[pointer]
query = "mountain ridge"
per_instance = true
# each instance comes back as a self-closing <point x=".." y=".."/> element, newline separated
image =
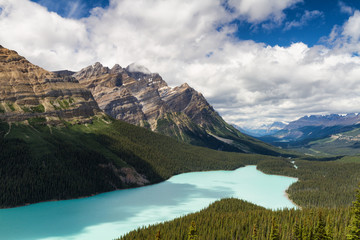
<point x="137" y="96"/>
<point x="333" y="134"/>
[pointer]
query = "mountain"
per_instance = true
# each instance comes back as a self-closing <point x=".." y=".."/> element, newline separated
<point x="310" y="126"/>
<point x="55" y="143"/>
<point x="142" y="98"/>
<point x="28" y="91"/>
<point x="333" y="134"/>
<point x="263" y="130"/>
<point x="325" y="120"/>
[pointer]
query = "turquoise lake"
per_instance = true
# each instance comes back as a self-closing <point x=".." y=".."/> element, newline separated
<point x="110" y="215"/>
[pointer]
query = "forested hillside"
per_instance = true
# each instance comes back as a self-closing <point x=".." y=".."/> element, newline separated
<point x="237" y="219"/>
<point x="321" y="183"/>
<point x="40" y="162"/>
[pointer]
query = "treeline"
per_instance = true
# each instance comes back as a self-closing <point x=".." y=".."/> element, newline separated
<point x="237" y="219"/>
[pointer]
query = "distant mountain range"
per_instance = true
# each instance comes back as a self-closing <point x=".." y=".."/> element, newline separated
<point x="262" y="130"/>
<point x="334" y="134"/>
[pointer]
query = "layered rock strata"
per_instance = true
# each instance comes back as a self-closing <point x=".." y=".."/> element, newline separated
<point x="28" y="91"/>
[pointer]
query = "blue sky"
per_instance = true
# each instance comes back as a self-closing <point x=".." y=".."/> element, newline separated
<point x="309" y="30"/>
<point x="256" y="61"/>
<point x="72" y="8"/>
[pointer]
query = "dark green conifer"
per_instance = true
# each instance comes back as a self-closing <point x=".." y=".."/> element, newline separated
<point x="297" y="233"/>
<point x="274" y="235"/>
<point x="354" y="228"/>
<point x="193" y="232"/>
<point x="254" y="235"/>
<point x="320" y="232"/>
<point x="158" y="235"/>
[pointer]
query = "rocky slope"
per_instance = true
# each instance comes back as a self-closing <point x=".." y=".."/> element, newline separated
<point x="28" y="91"/>
<point x="139" y="97"/>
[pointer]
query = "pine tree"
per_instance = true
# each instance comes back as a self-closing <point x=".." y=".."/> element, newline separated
<point x="254" y="235"/>
<point x="192" y="231"/>
<point x="320" y="232"/>
<point x="158" y="235"/>
<point x="329" y="228"/>
<point x="297" y="233"/>
<point x="354" y="228"/>
<point x="274" y="235"/>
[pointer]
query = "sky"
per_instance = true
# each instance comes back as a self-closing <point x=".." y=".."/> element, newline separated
<point x="255" y="61"/>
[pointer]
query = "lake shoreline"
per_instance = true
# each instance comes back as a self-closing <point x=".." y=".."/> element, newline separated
<point x="99" y="193"/>
<point x="287" y="196"/>
<point x="285" y="193"/>
<point x="116" y="213"/>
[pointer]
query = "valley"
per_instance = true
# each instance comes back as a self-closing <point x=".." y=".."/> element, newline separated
<point x="72" y="135"/>
<point x="327" y="135"/>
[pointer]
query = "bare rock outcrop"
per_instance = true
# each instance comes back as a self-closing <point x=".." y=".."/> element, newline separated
<point x="137" y="96"/>
<point x="28" y="91"/>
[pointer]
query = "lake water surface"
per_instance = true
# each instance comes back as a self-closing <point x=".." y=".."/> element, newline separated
<point x="109" y="215"/>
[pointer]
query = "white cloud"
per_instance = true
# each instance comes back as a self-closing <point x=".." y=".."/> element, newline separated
<point x="351" y="28"/>
<point x="43" y="37"/>
<point x="345" y="8"/>
<point x="256" y="11"/>
<point x="248" y="83"/>
<point x="304" y="20"/>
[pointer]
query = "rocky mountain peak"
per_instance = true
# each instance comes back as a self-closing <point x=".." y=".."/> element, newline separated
<point x="28" y="91"/>
<point x="185" y="85"/>
<point x="97" y="69"/>
<point x="139" y="97"/>
<point x="144" y="97"/>
<point x="116" y="69"/>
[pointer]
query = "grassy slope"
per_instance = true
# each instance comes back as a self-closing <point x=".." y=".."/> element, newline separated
<point x="40" y="163"/>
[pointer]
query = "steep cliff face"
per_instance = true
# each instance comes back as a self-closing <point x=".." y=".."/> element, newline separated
<point x="137" y="96"/>
<point x="28" y="91"/>
<point x="120" y="95"/>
